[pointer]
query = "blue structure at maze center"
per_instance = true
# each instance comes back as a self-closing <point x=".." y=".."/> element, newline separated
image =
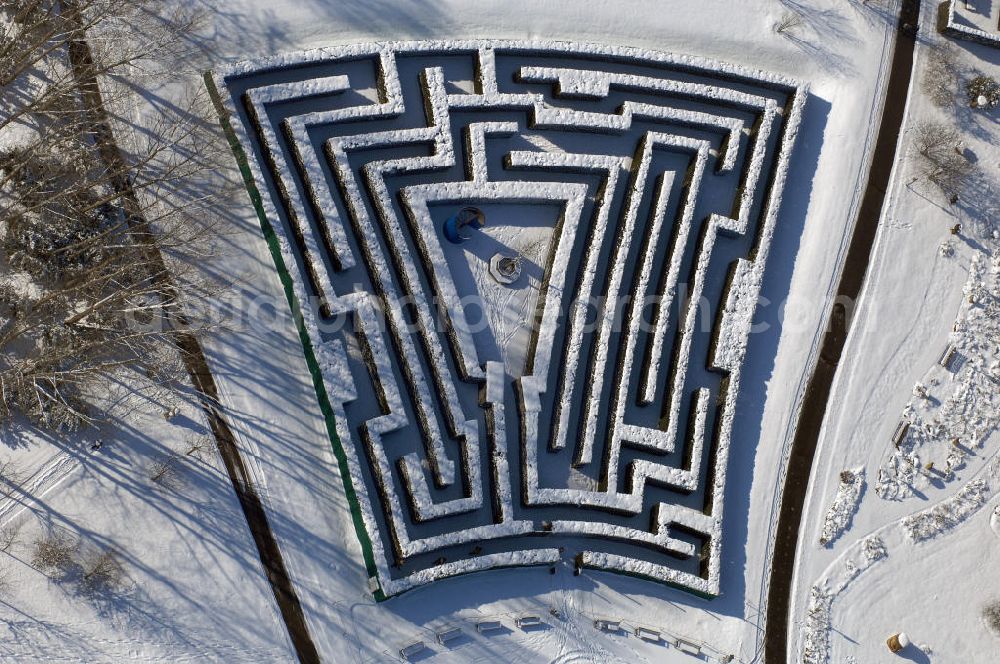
<point x="466" y="217"/>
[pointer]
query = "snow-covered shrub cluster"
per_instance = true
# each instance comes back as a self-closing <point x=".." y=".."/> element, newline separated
<point x="983" y="91"/>
<point x="364" y="243"/>
<point x="816" y="640"/>
<point x="94" y="572"/>
<point x="949" y="513"/>
<point x="956" y="407"/>
<point x="815" y="645"/>
<point x="845" y="504"/>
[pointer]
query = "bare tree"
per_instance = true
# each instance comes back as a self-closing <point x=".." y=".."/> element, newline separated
<point x="100" y="266"/>
<point x="92" y="294"/>
<point x="37" y="28"/>
<point x="8" y="538"/>
<point x="789" y="22"/>
<point x="10" y="479"/>
<point x="940" y="158"/>
<point x="198" y="447"/>
<point x="128" y="36"/>
<point x="165" y="472"/>
<point x="941" y="74"/>
<point x="101" y="572"/>
<point x="931" y="139"/>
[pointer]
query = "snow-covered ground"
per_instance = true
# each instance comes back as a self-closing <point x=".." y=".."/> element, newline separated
<point x="192" y="588"/>
<point x="921" y="302"/>
<point x="147" y="494"/>
<point x="841" y="50"/>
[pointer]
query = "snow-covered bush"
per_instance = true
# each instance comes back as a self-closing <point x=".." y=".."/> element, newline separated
<point x="92" y="571"/>
<point x="845" y="504"/>
<point x="101" y="572"/>
<point x="991" y="614"/>
<point x="816" y="638"/>
<point x="940" y="75"/>
<point x="947" y="514"/>
<point x="54" y="554"/>
<point x="983" y="92"/>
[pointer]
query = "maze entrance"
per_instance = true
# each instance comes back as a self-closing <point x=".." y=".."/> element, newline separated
<point x="582" y="410"/>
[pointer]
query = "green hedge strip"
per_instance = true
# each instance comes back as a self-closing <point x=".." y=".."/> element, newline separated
<point x="317" y="377"/>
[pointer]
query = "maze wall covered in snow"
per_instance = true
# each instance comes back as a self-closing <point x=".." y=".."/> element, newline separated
<point x="584" y="410"/>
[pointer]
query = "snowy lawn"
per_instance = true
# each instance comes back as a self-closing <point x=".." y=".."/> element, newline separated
<point x="839" y="49"/>
<point x="928" y="293"/>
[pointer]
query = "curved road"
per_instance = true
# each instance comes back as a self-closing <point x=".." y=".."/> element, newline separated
<point x="818" y="393"/>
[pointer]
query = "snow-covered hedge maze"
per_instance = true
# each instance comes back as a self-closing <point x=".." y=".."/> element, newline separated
<point x="583" y="412"/>
<point x="954" y="22"/>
